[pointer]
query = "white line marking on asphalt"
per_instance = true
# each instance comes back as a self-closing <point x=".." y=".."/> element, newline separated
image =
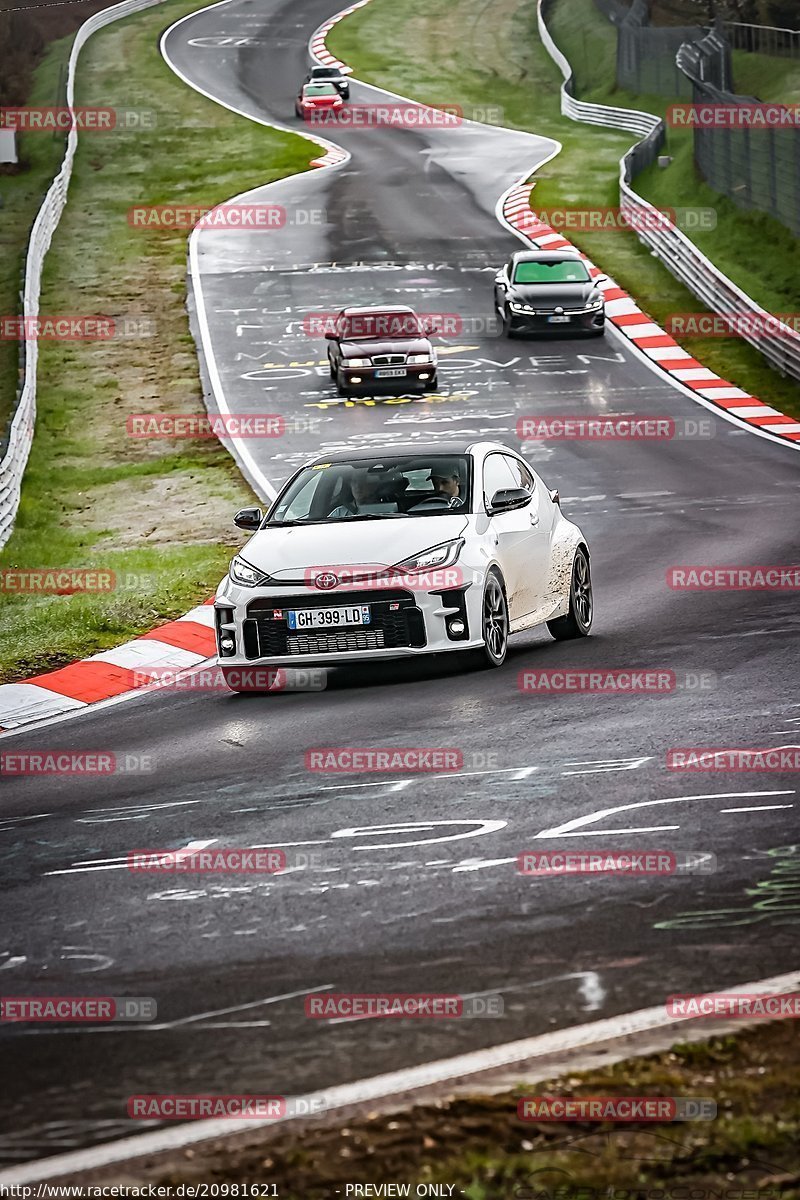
<point x="398" y="1083"/>
<point x="578" y="822"/>
<point x="756" y="808"/>
<point x="122" y="863"/>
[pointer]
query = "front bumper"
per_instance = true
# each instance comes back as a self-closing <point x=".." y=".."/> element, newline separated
<point x="367" y="379"/>
<point x="403" y="624"/>
<point x="576" y="322"/>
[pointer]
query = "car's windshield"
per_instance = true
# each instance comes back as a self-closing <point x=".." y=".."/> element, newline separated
<point x="563" y="270"/>
<point x="325" y="73"/>
<point x="355" y="327"/>
<point x="390" y="487"/>
<point x="320" y="89"/>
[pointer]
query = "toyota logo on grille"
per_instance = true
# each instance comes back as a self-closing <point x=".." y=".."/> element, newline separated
<point x="326" y="581"/>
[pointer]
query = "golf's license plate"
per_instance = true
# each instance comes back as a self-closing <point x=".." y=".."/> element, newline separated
<point x="328" y="618"/>
<point x="390" y="372"/>
<point x="553" y="320"/>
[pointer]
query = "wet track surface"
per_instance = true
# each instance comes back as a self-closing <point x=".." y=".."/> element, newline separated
<point x="411" y="888"/>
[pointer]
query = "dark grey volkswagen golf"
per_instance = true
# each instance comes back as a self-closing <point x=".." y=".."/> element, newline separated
<point x="549" y="291"/>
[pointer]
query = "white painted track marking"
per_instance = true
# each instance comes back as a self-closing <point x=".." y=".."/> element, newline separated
<point x="398" y="1083"/>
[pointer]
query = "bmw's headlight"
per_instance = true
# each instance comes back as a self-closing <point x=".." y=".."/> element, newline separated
<point x="358" y="362"/>
<point x="443" y="555"/>
<point x="242" y="573"/>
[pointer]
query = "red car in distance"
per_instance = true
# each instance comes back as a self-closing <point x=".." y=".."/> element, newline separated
<point x="317" y="98"/>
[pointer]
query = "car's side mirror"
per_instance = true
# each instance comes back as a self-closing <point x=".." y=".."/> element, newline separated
<point x="507" y="498"/>
<point x="500" y="277"/>
<point x="330" y="334"/>
<point x="555" y="497"/>
<point x="600" y="279"/>
<point x="248" y="518"/>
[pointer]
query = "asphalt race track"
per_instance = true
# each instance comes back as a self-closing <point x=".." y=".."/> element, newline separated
<point x="412" y="884"/>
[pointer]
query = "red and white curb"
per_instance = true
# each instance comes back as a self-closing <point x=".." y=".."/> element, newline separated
<point x="177" y="645"/>
<point x="319" y="49"/>
<point x="659" y="347"/>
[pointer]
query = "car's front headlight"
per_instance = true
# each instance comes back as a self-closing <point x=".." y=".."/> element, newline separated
<point x="518" y="306"/>
<point x="418" y="360"/>
<point x="242" y="573"/>
<point x="443" y="555"/>
<point x="358" y="362"/>
<point x="593" y="305"/>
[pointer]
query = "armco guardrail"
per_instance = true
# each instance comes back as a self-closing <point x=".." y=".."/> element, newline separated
<point x="20" y="432"/>
<point x="779" y="343"/>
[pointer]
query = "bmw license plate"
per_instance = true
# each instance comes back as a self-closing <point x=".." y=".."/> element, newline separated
<point x="390" y="372"/>
<point x="554" y="320"/>
<point x="328" y="618"/>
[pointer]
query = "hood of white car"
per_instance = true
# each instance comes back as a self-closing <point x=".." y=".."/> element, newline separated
<point x="287" y="554"/>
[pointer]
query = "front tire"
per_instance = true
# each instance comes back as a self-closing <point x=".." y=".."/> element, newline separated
<point x="494" y="622"/>
<point x="341" y="386"/>
<point x="578" y="620"/>
<point x="508" y="326"/>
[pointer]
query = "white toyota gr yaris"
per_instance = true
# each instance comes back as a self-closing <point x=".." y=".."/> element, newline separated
<point x="402" y="551"/>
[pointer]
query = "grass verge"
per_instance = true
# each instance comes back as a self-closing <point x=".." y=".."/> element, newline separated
<point x="442" y="53"/>
<point x="481" y="1149"/>
<point x="156" y="513"/>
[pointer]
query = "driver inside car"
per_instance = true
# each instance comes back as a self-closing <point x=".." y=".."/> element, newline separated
<point x="446" y="480"/>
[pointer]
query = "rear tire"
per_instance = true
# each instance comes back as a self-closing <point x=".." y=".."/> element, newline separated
<point x="578" y="620"/>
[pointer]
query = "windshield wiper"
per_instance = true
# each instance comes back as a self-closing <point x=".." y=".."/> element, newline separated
<point x="368" y="517"/>
<point x="283" y="524"/>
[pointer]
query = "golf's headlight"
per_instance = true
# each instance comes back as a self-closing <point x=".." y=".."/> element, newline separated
<point x="357" y="362"/>
<point x="443" y="555"/>
<point x="593" y="305"/>
<point x="417" y="360"/>
<point x="242" y="573"/>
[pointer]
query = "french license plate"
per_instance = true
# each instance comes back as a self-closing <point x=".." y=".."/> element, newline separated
<point x="556" y="320"/>
<point x="328" y="618"/>
<point x="390" y="372"/>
